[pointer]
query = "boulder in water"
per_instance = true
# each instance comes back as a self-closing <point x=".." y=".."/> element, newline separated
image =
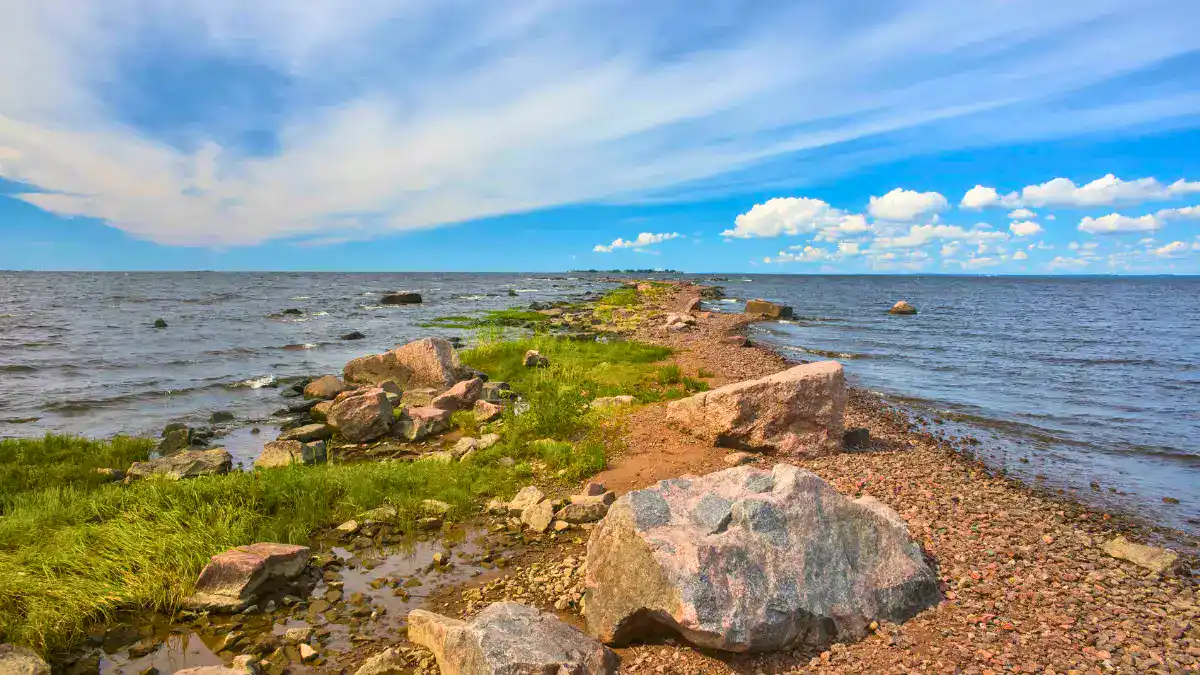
<point x="159" y="323"/>
<point x="401" y="298"/>
<point x="354" y="335"/>
<point x="232" y="580"/>
<point x="747" y="560"/>
<point x="902" y="307"/>
<point x="181" y="465"/>
<point x="799" y="411"/>
<point x="509" y="638"/>
<point x="769" y="310"/>
<point x="429" y="362"/>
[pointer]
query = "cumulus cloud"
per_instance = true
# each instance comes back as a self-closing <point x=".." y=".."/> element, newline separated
<point x="982" y="197"/>
<point x="641" y="241"/>
<point x="1104" y="191"/>
<point x="433" y="113"/>
<point x="793" y="216"/>
<point x="1184" y="213"/>
<point x="1067" y="263"/>
<point x="1026" y="228"/>
<point x="920" y="235"/>
<point x="1115" y="223"/>
<point x="1171" y="250"/>
<point x="1021" y="214"/>
<point x="906" y="205"/>
<point x="1020" y="255"/>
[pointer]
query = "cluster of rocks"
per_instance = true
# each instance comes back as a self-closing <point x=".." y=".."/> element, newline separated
<point x="532" y="509"/>
<point x="679" y="322"/>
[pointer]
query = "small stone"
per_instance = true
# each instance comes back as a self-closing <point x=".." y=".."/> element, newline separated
<point x="534" y="359"/>
<point x="307" y="653"/>
<point x="739" y="458"/>
<point x="561" y="526"/>
<point x="159" y="323"/>
<point x="593" y="489"/>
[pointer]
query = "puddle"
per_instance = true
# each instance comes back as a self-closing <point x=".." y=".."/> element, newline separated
<point x="357" y="598"/>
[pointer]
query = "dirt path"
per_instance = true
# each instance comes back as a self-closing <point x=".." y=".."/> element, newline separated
<point x="1026" y="587"/>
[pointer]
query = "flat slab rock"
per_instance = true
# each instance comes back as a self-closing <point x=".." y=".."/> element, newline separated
<point x="508" y="638"/>
<point x="231" y="580"/>
<point x="799" y="411"/>
<point x="748" y="560"/>
<point x="186" y="464"/>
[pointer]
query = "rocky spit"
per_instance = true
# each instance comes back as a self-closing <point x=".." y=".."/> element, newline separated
<point x="779" y="522"/>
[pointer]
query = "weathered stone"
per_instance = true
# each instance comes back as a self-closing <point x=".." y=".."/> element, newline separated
<point x="325" y="387"/>
<point x="583" y="512"/>
<point x="748" y="560"/>
<point x="538" y="516"/>
<point x="417" y="424"/>
<point x="221" y="417"/>
<point x="528" y="496"/>
<point x="354" y="335"/>
<point x="464" y="445"/>
<point x="1153" y="558"/>
<point x="857" y="438"/>
<point x="691" y="305"/>
<point x="593" y="489"/>
<point x="486" y="411"/>
<point x="418" y="398"/>
<point x="488" y="440"/>
<point x="231" y="580"/>
<point x="401" y="298"/>
<point x="363" y="417"/>
<point x="459" y="397"/>
<point x="298" y="635"/>
<point x="109" y="474"/>
<point x="388" y="662"/>
<point x="186" y="464"/>
<point x="534" y="359"/>
<point x="286" y="453"/>
<point x="508" y="638"/>
<point x="160" y="323"/>
<point x="739" y="458"/>
<point x="799" y="411"/>
<point x="686" y="319"/>
<point x="174" y="440"/>
<point x="320" y="411"/>
<point x="770" y="310"/>
<point x="496" y="392"/>
<point x="244" y="664"/>
<point x="606" y="498"/>
<point x="18" y="660"/>
<point x="613" y="401"/>
<point x="902" y="307"/>
<point x="307" y="433"/>
<point x="429" y="362"/>
<point x="735" y="340"/>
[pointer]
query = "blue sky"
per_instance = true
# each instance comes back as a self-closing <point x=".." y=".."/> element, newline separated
<point x="996" y="137"/>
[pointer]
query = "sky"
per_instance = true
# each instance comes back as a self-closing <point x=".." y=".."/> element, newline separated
<point x="862" y="136"/>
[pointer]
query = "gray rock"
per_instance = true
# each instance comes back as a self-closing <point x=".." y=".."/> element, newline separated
<point x="583" y="511"/>
<point x="17" y="660"/>
<point x="748" y="560"/>
<point x="231" y="581"/>
<point x="186" y="464"/>
<point x="613" y="401"/>
<point x="307" y="433"/>
<point x="401" y="298"/>
<point x="768" y="309"/>
<point x="857" y="438"/>
<point x="174" y="439"/>
<point x="285" y="453"/>
<point x="538" y="516"/>
<point x="508" y="638"/>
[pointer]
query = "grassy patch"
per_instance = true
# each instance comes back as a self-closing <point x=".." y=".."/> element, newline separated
<point x="81" y="552"/>
<point x="620" y="297"/>
<point x="62" y="461"/>
<point x="505" y="318"/>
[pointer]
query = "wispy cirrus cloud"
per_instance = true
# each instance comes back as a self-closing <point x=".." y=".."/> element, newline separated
<point x="219" y="123"/>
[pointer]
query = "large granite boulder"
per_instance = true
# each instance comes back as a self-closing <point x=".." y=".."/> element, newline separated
<point x="748" y="560"/>
<point x="18" y="660"/>
<point x="800" y="411"/>
<point x="508" y="638"/>
<point x="232" y="580"/>
<point x="769" y="310"/>
<point x="186" y="464"/>
<point x="286" y="453"/>
<point x="902" y="307"/>
<point x="461" y="396"/>
<point x="325" y="387"/>
<point x="421" y="422"/>
<point x="429" y="362"/>
<point x="363" y="417"/>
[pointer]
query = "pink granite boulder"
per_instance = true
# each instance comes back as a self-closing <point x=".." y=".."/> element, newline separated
<point x="800" y="411"/>
<point x="459" y="397"/>
<point x="486" y="411"/>
<point x="429" y="362"/>
<point x="232" y="580"/>
<point x="324" y="387"/>
<point x="747" y="560"/>
<point x="417" y="424"/>
<point x="363" y="417"/>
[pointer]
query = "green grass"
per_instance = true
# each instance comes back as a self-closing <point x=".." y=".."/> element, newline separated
<point x="62" y="461"/>
<point x="620" y="297"/>
<point x="80" y="552"/>
<point x="507" y="318"/>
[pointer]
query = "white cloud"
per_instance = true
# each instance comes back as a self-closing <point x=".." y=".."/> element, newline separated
<point x="1067" y="263"/>
<point x="1171" y="250"/>
<point x="644" y="239"/>
<point x="431" y="113"/>
<point x="848" y="248"/>
<point x="793" y="216"/>
<point x="950" y="248"/>
<point x="981" y="197"/>
<point x="1026" y="228"/>
<point x="919" y="235"/>
<point x="1115" y="223"/>
<point x="906" y="205"/>
<point x="1183" y="213"/>
<point x="975" y="263"/>
<point x="1021" y="214"/>
<point x="1020" y="255"/>
<point x="805" y="254"/>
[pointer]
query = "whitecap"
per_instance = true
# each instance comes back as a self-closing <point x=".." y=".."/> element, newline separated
<point x="320" y="313"/>
<point x="301" y="297"/>
<point x="731" y="300"/>
<point x="257" y="382"/>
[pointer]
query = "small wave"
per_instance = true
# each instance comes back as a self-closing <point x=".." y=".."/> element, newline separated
<point x="19" y="420"/>
<point x="17" y="369"/>
<point x="301" y="297"/>
<point x="827" y="353"/>
<point x="368" y="293"/>
<point x="729" y="300"/>
<point x="320" y="313"/>
<point x="299" y="347"/>
<point x="232" y="351"/>
<point x="256" y="382"/>
<point x="470" y="297"/>
<point x="372" y="307"/>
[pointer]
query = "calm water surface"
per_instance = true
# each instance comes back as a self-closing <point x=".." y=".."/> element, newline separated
<point x="1086" y="379"/>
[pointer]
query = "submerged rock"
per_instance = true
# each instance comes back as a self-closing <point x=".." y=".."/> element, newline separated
<point x="429" y="362"/>
<point x="186" y="464"/>
<point x="232" y="580"/>
<point x="364" y="416"/>
<point x="902" y="307"/>
<point x="508" y="638"/>
<point x="770" y="310"/>
<point x="799" y="411"/>
<point x="18" y="660"/>
<point x="159" y="323"/>
<point x="748" y="560"/>
<point x="354" y="335"/>
<point x="401" y="298"/>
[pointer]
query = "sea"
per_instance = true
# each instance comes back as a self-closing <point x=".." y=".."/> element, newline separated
<point x="1088" y="385"/>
